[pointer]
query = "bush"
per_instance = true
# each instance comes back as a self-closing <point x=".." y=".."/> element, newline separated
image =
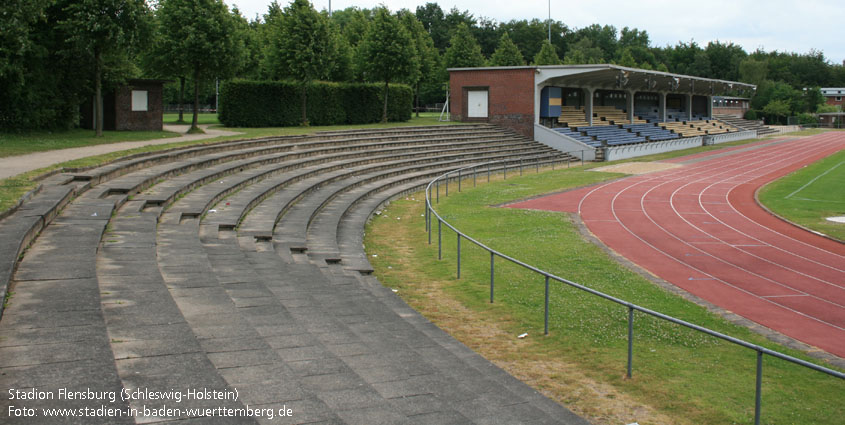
<point x="278" y="103"/>
<point x="807" y="119"/>
<point x="751" y="115"/>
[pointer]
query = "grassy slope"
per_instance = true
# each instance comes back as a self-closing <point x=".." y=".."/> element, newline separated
<point x="678" y="374"/>
<point x="825" y="197"/>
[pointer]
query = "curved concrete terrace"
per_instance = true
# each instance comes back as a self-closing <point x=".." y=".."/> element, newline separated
<point x="232" y="277"/>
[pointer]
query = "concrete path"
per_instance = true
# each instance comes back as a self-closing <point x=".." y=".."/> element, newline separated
<point x="14" y="165"/>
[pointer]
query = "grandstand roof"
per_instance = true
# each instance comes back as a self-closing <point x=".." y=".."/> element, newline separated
<point x="617" y="77"/>
<point x="833" y="91"/>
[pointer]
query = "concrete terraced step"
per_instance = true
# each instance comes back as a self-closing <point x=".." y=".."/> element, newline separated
<point x="134" y="285"/>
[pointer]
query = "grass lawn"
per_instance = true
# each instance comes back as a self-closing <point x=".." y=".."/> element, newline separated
<point x="679" y="377"/>
<point x="202" y="118"/>
<point x="39" y="141"/>
<point x="810" y="195"/>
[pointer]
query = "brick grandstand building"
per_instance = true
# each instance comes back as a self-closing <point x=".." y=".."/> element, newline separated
<point x="833" y="96"/>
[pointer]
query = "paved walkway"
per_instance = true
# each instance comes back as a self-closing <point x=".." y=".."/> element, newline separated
<point x="14" y="165"/>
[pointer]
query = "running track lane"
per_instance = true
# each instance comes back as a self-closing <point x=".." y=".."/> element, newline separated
<point x="700" y="228"/>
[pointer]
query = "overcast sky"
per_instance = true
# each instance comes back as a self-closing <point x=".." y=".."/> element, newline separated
<point x="792" y="26"/>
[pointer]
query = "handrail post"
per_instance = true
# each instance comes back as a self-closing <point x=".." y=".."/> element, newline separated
<point x="758" y="398"/>
<point x="429" y="223"/>
<point x="546" y="327"/>
<point x="491" y="276"/>
<point x="459" y="180"/>
<point x="520" y="166"/>
<point x="447" y="185"/>
<point x="505" y="168"/>
<point x="630" y="339"/>
<point x="459" y="255"/>
<point x="439" y="244"/>
<point x="474" y="174"/>
<point x="582" y="158"/>
<point x="438" y="190"/>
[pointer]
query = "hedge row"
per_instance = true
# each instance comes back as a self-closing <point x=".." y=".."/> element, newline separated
<point x="278" y="103"/>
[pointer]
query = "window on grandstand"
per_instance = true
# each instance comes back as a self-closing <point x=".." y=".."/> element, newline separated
<point x="838" y="98"/>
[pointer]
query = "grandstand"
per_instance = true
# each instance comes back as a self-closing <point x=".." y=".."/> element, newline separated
<point x="591" y="107"/>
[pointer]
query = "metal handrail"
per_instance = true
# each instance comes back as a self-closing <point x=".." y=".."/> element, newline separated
<point x="430" y="211"/>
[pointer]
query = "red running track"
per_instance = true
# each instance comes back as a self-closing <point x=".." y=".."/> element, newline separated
<point x="700" y="228"/>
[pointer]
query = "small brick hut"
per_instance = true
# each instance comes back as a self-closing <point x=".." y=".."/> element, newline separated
<point x="136" y="106"/>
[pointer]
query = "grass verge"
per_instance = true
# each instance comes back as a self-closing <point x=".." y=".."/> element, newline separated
<point x="679" y="376"/>
<point x="810" y="195"/>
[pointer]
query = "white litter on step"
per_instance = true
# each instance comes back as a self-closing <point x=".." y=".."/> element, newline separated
<point x="394" y="290"/>
<point x="523" y="336"/>
<point x="212" y="211"/>
<point x="94" y="215"/>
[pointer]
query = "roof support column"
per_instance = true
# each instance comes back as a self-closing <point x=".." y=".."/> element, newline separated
<point x="588" y="105"/>
<point x="661" y="107"/>
<point x="689" y="107"/>
<point x="630" y="105"/>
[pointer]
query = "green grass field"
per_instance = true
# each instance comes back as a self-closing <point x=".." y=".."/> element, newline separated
<point x="682" y="376"/>
<point x="810" y="195"/>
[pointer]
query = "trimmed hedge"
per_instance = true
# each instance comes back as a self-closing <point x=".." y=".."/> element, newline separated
<point x="278" y="103"/>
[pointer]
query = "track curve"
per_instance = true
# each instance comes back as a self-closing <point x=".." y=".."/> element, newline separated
<point x="700" y="228"/>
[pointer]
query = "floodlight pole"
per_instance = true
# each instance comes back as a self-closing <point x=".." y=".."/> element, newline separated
<point x="330" y="8"/>
<point x="550" y="21"/>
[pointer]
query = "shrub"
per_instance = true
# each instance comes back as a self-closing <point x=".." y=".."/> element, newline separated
<point x="278" y="103"/>
<point x="751" y="115"/>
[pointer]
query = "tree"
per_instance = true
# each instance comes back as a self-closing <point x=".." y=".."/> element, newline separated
<point x="434" y="22"/>
<point x="304" y="46"/>
<point x="426" y="54"/>
<point x="203" y="34"/>
<point x="547" y="55"/>
<point x="777" y="108"/>
<point x="507" y="54"/>
<point x="104" y="30"/>
<point x="389" y="52"/>
<point x="753" y="71"/>
<point x="463" y="51"/>
<point x="583" y="52"/>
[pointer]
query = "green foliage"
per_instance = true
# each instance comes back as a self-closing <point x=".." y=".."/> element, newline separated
<point x="751" y="115"/>
<point x="807" y="119"/>
<point x="777" y="108"/>
<point x="463" y="51"/>
<point x="583" y="52"/>
<point x="389" y="53"/>
<point x="547" y="55"/>
<point x="201" y="38"/>
<point x="507" y="54"/>
<point x="274" y="103"/>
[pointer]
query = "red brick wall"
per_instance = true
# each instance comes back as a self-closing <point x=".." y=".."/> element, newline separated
<point x="510" y="96"/>
<point x="831" y="100"/>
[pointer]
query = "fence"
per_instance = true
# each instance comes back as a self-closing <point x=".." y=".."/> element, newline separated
<point x="502" y="166"/>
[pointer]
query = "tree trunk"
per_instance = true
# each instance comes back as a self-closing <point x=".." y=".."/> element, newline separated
<point x="194" y="126"/>
<point x="418" y="99"/>
<point x="384" y="112"/>
<point x="181" y="99"/>
<point x="304" y="104"/>
<point x="98" y="93"/>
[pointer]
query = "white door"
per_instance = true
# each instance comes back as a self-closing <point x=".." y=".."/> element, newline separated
<point x="477" y="104"/>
